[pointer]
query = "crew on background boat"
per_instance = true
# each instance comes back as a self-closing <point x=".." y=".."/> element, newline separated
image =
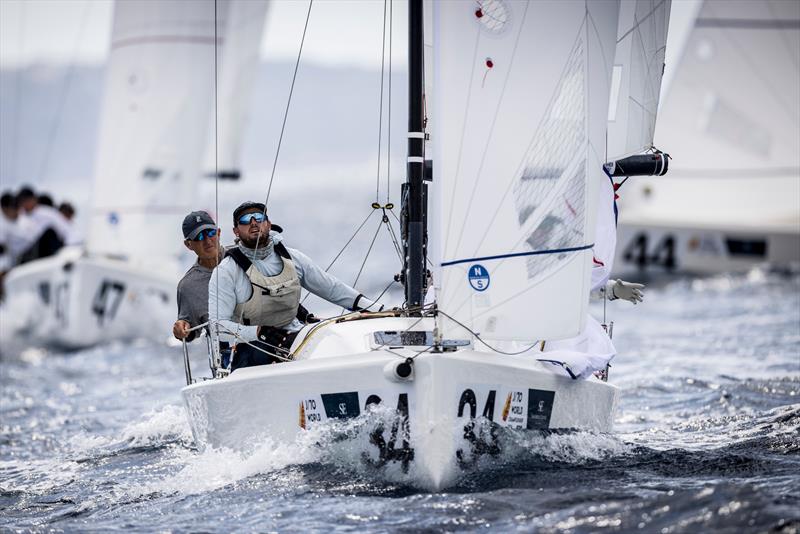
<point x="48" y="228"/>
<point x="201" y="236"/>
<point x="13" y="239"/>
<point x="254" y="293"/>
<point x="67" y="210"/>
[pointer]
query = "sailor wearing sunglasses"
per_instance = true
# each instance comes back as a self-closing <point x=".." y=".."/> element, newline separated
<point x="254" y="293"/>
<point x="201" y="236"/>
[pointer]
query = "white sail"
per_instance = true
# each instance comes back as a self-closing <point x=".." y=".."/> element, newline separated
<point x="522" y="91"/>
<point x="238" y="66"/>
<point x="636" y="78"/>
<point x="731" y="121"/>
<point x="156" y="111"/>
<point x="734" y="102"/>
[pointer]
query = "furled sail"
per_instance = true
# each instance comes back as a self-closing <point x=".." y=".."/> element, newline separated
<point x="636" y="77"/>
<point x="238" y="65"/>
<point x="157" y="105"/>
<point x="522" y="92"/>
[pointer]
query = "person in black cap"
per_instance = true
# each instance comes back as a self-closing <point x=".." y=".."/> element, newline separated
<point x="254" y="293"/>
<point x="201" y="236"/>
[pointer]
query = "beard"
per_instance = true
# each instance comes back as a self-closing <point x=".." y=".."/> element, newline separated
<point x="262" y="239"/>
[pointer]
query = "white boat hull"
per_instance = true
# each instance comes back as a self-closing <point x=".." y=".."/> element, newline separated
<point x="703" y="249"/>
<point x="74" y="301"/>
<point x="281" y="402"/>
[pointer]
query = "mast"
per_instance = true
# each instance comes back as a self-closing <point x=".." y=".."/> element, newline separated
<point x="414" y="199"/>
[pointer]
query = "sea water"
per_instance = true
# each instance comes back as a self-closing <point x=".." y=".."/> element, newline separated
<point x="707" y="438"/>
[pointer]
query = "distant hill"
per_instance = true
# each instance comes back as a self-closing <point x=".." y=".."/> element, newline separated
<point x="49" y="120"/>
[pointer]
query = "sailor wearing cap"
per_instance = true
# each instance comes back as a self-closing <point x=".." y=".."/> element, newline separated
<point x="254" y="293"/>
<point x="201" y="236"/>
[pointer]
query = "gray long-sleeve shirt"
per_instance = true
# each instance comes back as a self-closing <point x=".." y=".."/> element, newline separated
<point x="230" y="286"/>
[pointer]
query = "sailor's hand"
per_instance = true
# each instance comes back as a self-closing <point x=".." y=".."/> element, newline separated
<point x="181" y="329"/>
<point x="619" y="289"/>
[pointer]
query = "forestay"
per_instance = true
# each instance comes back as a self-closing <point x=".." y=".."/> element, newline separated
<point x="160" y="79"/>
<point x="522" y="92"/>
<point x="636" y="77"/>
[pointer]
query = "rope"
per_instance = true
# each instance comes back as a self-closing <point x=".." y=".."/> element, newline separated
<point x="389" y="121"/>
<point x="465" y="327"/>
<point x="286" y="111"/>
<point x="380" y="106"/>
<point x="216" y="143"/>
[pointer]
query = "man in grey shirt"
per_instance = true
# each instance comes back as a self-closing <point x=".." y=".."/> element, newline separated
<point x="201" y="236"/>
<point x="254" y="293"/>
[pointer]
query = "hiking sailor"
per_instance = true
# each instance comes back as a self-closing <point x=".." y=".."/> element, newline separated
<point x="201" y="236"/>
<point x="254" y="293"/>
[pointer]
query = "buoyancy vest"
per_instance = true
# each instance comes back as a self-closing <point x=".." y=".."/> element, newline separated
<point x="275" y="300"/>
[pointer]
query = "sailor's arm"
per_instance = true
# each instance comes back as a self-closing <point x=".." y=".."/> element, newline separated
<point x="326" y="286"/>
<point x="226" y="282"/>
<point x="181" y="328"/>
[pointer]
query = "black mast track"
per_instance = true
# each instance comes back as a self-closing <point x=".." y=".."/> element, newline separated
<point x="414" y="208"/>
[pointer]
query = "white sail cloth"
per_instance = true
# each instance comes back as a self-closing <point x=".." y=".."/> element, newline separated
<point x="636" y="78"/>
<point x="582" y="355"/>
<point x="156" y="111"/>
<point x="522" y="92"/>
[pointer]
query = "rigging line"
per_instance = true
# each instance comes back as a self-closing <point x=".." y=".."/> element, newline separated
<point x="478" y="337"/>
<point x="62" y="97"/>
<point x="494" y="123"/>
<point x="380" y="106"/>
<point x="395" y="241"/>
<point x="637" y="23"/>
<point x="283" y="124"/>
<point x="371" y="211"/>
<point x="389" y="112"/>
<point x="216" y="146"/>
<point x="532" y="141"/>
<point x="369" y="251"/>
<point x="288" y="105"/>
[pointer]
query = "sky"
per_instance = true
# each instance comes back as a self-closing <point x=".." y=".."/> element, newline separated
<point x="79" y="31"/>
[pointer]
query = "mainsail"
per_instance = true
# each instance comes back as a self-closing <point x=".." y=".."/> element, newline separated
<point x="636" y="78"/>
<point x="156" y="110"/>
<point x="522" y="92"/>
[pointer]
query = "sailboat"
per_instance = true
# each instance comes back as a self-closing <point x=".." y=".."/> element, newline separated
<point x="159" y="99"/>
<point x="520" y="110"/>
<point x="731" y="120"/>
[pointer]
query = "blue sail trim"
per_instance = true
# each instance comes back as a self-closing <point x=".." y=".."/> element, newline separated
<point x="518" y="255"/>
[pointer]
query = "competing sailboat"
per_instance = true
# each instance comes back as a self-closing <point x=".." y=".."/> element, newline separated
<point x="520" y="108"/>
<point x="731" y="119"/>
<point x="159" y="99"/>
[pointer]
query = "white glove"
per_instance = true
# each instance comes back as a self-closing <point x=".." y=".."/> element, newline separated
<point x="618" y="289"/>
